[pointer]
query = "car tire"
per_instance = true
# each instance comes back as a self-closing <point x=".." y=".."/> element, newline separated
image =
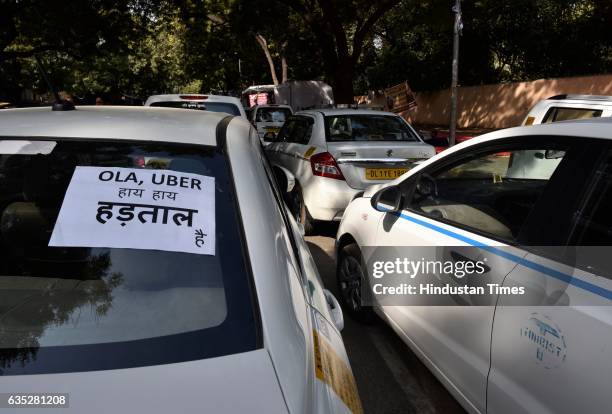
<point x="302" y="214"/>
<point x="351" y="275"/>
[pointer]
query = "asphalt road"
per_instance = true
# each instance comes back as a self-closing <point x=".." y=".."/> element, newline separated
<point x="390" y="377"/>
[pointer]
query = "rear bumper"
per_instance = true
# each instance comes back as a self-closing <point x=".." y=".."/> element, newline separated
<point x="326" y="198"/>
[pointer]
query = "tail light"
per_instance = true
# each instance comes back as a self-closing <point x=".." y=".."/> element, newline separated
<point x="194" y="97"/>
<point x="324" y="165"/>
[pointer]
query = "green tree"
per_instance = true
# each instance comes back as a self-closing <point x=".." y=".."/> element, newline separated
<point x="502" y="40"/>
<point x="342" y="29"/>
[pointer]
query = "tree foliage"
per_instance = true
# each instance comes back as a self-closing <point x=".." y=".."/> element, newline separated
<point x="141" y="47"/>
<point x="502" y="40"/>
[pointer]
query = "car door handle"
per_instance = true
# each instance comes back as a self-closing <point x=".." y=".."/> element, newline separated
<point x="458" y="257"/>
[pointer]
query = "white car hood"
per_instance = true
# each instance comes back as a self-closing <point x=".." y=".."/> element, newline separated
<point x="240" y="383"/>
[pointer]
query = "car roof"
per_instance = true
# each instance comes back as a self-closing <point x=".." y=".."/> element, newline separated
<point x="587" y="98"/>
<point x="586" y="128"/>
<point x="600" y="128"/>
<point x="113" y="122"/>
<point x="345" y="111"/>
<point x="176" y="97"/>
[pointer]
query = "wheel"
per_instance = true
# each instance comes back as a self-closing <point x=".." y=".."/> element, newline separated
<point x="351" y="276"/>
<point x="301" y="212"/>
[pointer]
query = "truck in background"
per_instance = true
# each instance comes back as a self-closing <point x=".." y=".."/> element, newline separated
<point x="299" y="95"/>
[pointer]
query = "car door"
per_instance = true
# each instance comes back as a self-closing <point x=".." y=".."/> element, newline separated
<point x="297" y="145"/>
<point x="551" y="352"/>
<point x="289" y="148"/>
<point x="466" y="207"/>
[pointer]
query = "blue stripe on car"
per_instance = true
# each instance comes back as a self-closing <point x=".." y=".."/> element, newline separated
<point x="570" y="279"/>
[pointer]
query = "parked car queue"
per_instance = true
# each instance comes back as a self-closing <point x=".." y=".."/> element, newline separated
<point x="248" y="310"/>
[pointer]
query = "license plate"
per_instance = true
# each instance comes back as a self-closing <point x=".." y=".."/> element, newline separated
<point x="271" y="129"/>
<point x="384" y="173"/>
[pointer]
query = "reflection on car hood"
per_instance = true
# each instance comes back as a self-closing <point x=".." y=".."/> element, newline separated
<point x="237" y="383"/>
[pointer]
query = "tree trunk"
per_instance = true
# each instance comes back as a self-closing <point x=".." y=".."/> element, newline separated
<point x="343" y="82"/>
<point x="285" y="68"/>
<point x="264" y="45"/>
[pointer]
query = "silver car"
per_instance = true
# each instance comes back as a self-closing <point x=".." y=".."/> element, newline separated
<point x="181" y="285"/>
<point x="334" y="154"/>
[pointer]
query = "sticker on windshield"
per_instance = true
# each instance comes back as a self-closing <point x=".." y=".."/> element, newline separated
<point x="137" y="209"/>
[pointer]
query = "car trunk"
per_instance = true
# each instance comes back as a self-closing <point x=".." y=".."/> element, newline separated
<point x="365" y="163"/>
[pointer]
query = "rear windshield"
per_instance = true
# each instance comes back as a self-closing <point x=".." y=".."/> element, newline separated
<point x="83" y="308"/>
<point x="272" y="114"/>
<point x="201" y="106"/>
<point x="557" y="114"/>
<point x="367" y="128"/>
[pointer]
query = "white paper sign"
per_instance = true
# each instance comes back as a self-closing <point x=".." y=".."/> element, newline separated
<point x="138" y="209"/>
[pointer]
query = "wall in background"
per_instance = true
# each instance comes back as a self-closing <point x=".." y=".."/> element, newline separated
<point x="497" y="106"/>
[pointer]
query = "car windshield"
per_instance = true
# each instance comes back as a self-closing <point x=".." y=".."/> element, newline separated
<point x="83" y="308"/>
<point x="272" y="114"/>
<point x="226" y="107"/>
<point x="367" y="128"/>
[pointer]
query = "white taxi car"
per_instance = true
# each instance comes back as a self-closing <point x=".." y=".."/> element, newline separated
<point x="334" y="154"/>
<point x="569" y="107"/>
<point x="185" y="288"/>
<point x="212" y="103"/>
<point x="536" y="201"/>
<point x="268" y="119"/>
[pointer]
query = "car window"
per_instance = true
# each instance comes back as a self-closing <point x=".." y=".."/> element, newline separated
<point x="272" y="114"/>
<point x="556" y="114"/>
<point x="591" y="226"/>
<point x="65" y="309"/>
<point x="367" y="128"/>
<point x="491" y="192"/>
<point x="225" y="107"/>
<point x="593" y="221"/>
<point x="297" y="129"/>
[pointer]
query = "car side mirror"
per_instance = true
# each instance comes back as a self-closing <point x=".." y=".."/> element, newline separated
<point x="270" y="137"/>
<point x="334" y="309"/>
<point x="391" y="197"/>
<point x="284" y="179"/>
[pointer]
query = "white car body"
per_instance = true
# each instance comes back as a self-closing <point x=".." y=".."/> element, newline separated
<point x="264" y="122"/>
<point x="198" y="101"/>
<point x="325" y="198"/>
<point x="479" y="352"/>
<point x="569" y="107"/>
<point x="299" y="320"/>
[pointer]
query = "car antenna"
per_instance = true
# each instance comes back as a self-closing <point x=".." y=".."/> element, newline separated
<point x="59" y="104"/>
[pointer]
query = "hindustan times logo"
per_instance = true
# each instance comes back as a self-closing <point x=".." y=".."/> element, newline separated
<point x="412" y="268"/>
